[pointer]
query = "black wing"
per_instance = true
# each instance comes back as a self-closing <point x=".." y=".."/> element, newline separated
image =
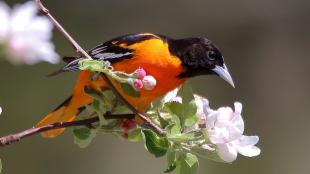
<point x="109" y="51"/>
<point x="106" y="51"/>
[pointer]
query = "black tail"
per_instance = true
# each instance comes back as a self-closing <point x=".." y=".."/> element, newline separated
<point x="72" y="65"/>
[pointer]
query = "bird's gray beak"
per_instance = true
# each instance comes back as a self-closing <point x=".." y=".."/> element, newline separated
<point x="224" y="74"/>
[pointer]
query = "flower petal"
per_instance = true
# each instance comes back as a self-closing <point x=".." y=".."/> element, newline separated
<point x="22" y="15"/>
<point x="30" y="35"/>
<point x="238" y="122"/>
<point x="208" y="147"/>
<point x="40" y="28"/>
<point x="225" y="114"/>
<point x="247" y="140"/>
<point x="170" y="95"/>
<point x="218" y="135"/>
<point x="227" y="152"/>
<point x="211" y="118"/>
<point x="149" y="82"/>
<point x="238" y="107"/>
<point x="245" y="145"/>
<point x="248" y="151"/>
<point x="4" y="18"/>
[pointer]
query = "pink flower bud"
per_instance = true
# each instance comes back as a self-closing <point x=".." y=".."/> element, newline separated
<point x="149" y="82"/>
<point x="137" y="84"/>
<point x="126" y="126"/>
<point x="140" y="73"/>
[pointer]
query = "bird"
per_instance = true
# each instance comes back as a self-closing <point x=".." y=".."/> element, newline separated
<point x="170" y="61"/>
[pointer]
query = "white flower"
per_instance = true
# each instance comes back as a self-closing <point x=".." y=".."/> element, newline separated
<point x="149" y="82"/>
<point x="0" y="110"/>
<point x="26" y="36"/>
<point x="225" y="128"/>
<point x="202" y="108"/>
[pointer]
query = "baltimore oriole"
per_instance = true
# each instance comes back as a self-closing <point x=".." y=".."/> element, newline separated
<point x="170" y="61"/>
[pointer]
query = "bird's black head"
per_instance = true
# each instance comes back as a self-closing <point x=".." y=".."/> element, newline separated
<point x="200" y="57"/>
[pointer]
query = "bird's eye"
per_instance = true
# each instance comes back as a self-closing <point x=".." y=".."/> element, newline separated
<point x="211" y="55"/>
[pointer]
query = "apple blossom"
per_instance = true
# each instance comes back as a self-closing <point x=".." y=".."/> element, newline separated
<point x="137" y="84"/>
<point x="140" y="73"/>
<point x="25" y="36"/>
<point x="127" y="125"/>
<point x="149" y="82"/>
<point x="225" y="129"/>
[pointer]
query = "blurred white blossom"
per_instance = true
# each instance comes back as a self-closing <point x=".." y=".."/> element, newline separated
<point x="25" y="36"/>
<point x="0" y="110"/>
<point x="225" y="129"/>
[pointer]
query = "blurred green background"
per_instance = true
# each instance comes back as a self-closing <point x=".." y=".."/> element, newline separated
<point x="266" y="45"/>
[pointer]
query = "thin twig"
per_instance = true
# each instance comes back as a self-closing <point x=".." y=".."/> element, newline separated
<point x="80" y="50"/>
<point x="75" y="45"/>
<point x="12" y="138"/>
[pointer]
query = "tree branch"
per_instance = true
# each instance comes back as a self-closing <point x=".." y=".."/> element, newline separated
<point x="9" y="139"/>
<point x="80" y="50"/>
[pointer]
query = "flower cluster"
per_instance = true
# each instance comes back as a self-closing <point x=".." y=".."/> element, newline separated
<point x="225" y="128"/>
<point x="137" y="80"/>
<point x="142" y="81"/>
<point x="24" y="36"/>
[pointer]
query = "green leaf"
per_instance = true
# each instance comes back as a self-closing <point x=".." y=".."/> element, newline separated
<point x="186" y="93"/>
<point x="186" y="137"/>
<point x="163" y="122"/>
<point x="81" y="133"/>
<point x="109" y="96"/>
<point x="189" y="106"/>
<point x="204" y="153"/>
<point x="173" y="129"/>
<point x="169" y="96"/>
<point x="96" y="105"/>
<point x="135" y="135"/>
<point x="171" y="113"/>
<point x="187" y="164"/>
<point x="94" y="94"/>
<point x="170" y="168"/>
<point x="91" y="64"/>
<point x="171" y="159"/>
<point x="174" y="108"/>
<point x="121" y="109"/>
<point x="186" y="111"/>
<point x="100" y="110"/>
<point x="154" y="144"/>
<point x="83" y="136"/>
<point x="106" y="98"/>
<point x="129" y="90"/>
<point x="191" y="160"/>
<point x="190" y="121"/>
